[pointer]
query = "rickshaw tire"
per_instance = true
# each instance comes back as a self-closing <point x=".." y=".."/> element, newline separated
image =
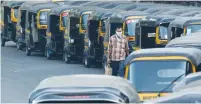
<point x="19" y="47"/>
<point x="66" y="58"/>
<point x="28" y="52"/>
<point x="87" y="62"/>
<point x="2" y="42"/>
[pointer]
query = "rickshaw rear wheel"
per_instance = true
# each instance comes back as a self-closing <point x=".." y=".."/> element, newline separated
<point x="48" y="55"/>
<point x="66" y="58"/>
<point x="2" y="41"/>
<point x="28" y="52"/>
<point x="87" y="62"/>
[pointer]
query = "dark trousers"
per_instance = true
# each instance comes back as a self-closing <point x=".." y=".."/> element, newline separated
<point x="117" y="68"/>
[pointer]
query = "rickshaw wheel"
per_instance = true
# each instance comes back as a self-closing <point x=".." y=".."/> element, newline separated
<point x="87" y="62"/>
<point x="2" y="42"/>
<point x="66" y="58"/>
<point x="47" y="54"/>
<point x="28" y="52"/>
<point x="19" y="47"/>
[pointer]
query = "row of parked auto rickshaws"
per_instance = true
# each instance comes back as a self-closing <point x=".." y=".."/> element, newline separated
<point x="81" y="30"/>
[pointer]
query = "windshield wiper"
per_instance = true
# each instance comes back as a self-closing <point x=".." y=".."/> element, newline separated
<point x="159" y="94"/>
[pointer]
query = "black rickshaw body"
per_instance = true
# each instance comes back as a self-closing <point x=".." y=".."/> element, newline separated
<point x="35" y="29"/>
<point x="182" y="26"/>
<point x="21" y="23"/>
<point x="56" y="22"/>
<point x="151" y="31"/>
<point x="156" y="61"/>
<point x="192" y="40"/>
<point x="93" y="40"/>
<point x="9" y="17"/>
<point x="84" y="89"/>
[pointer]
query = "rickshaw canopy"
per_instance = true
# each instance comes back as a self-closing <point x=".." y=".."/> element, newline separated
<point x="156" y="20"/>
<point x="192" y="40"/>
<point x="182" y="22"/>
<point x="37" y="7"/>
<point x="26" y="5"/>
<point x="58" y="10"/>
<point x="190" y="79"/>
<point x="10" y="4"/>
<point x="79" y="84"/>
<point x="190" y="53"/>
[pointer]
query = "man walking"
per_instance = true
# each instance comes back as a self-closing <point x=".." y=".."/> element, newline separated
<point x="117" y="51"/>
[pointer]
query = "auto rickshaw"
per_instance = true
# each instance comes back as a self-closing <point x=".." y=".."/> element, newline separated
<point x="84" y="89"/>
<point x="56" y="23"/>
<point x="93" y="50"/>
<point x="75" y="32"/>
<point x="151" y="31"/>
<point x="182" y="26"/>
<point x="20" y="26"/>
<point x="160" y="69"/>
<point x="192" y="40"/>
<point x="187" y="81"/>
<point x="35" y="29"/>
<point x="188" y="94"/>
<point x="9" y="17"/>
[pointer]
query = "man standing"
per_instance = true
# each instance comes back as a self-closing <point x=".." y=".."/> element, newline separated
<point x="117" y="51"/>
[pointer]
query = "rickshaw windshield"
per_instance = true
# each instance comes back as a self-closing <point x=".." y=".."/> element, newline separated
<point x="16" y="13"/>
<point x="130" y="27"/>
<point x="84" y="21"/>
<point x="193" y="28"/>
<point x="155" y="74"/>
<point x="43" y="17"/>
<point x="163" y="31"/>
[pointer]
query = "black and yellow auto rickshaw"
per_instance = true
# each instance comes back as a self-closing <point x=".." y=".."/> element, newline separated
<point x="93" y="50"/>
<point x="88" y="89"/>
<point x="35" y="29"/>
<point x="20" y="26"/>
<point x="74" y="34"/>
<point x="9" y="17"/>
<point x="192" y="40"/>
<point x="160" y="69"/>
<point x="182" y="26"/>
<point x="152" y="31"/>
<point x="56" y="23"/>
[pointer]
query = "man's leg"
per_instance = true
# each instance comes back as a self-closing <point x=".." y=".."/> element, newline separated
<point x="114" y="65"/>
<point x="121" y="68"/>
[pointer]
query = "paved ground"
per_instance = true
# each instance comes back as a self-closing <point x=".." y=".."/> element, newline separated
<point x="20" y="74"/>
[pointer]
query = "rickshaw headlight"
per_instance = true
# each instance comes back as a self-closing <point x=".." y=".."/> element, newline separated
<point x="71" y="40"/>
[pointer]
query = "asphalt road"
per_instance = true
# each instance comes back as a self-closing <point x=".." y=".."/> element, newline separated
<point x="20" y="74"/>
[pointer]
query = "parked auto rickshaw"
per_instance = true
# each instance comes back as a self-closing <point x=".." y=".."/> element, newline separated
<point x="192" y="40"/>
<point x="182" y="26"/>
<point x="9" y="17"/>
<point x="93" y="50"/>
<point x="190" y="93"/>
<point x="75" y="32"/>
<point x="56" y="23"/>
<point x="84" y="89"/>
<point x="151" y="31"/>
<point x="160" y="69"/>
<point x="189" y="80"/>
<point x="35" y="29"/>
<point x="20" y="26"/>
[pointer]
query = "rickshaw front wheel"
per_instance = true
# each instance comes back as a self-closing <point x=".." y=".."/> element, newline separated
<point x="66" y="58"/>
<point x="28" y="52"/>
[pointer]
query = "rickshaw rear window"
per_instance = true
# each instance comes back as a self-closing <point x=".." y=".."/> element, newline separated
<point x="155" y="74"/>
<point x="84" y="21"/>
<point x="43" y="18"/>
<point x="193" y="28"/>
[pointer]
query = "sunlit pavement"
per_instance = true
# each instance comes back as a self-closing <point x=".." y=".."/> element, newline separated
<point x="20" y="74"/>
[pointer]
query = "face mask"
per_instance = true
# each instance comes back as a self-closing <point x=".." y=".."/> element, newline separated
<point x="119" y="33"/>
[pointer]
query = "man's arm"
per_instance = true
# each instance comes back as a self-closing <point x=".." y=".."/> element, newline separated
<point x="127" y="48"/>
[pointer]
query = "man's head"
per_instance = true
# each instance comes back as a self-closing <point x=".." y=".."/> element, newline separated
<point x="119" y="31"/>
